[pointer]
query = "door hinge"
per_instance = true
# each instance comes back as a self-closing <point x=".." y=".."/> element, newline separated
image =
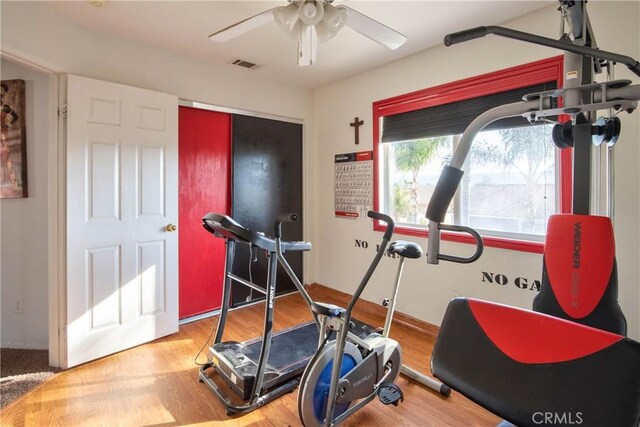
<point x="64" y="111"/>
<point x="62" y="331"/>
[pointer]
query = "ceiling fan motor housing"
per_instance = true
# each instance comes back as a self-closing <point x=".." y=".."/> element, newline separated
<point x="311" y="12"/>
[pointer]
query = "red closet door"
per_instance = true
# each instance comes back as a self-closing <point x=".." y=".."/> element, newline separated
<point x="204" y="186"/>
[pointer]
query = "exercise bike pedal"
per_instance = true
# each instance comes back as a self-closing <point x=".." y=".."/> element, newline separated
<point x="390" y="393"/>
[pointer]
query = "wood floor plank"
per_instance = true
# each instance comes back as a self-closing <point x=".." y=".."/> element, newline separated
<point x="156" y="384"/>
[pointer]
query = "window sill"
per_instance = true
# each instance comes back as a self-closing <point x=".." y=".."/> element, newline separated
<point x="489" y="241"/>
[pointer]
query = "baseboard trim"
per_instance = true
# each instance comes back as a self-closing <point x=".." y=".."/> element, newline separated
<point x="197" y="317"/>
<point x="367" y="306"/>
<point x="215" y="312"/>
<point x="398" y="317"/>
<point x="25" y="346"/>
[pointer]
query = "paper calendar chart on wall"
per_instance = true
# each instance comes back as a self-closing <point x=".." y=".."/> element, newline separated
<point x="353" y="179"/>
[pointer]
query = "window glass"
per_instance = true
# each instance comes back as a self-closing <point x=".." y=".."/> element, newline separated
<point x="508" y="189"/>
<point x="514" y="179"/>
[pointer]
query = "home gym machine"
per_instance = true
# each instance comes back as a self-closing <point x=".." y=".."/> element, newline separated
<point x="568" y="362"/>
<point x="262" y="369"/>
<point x="352" y="370"/>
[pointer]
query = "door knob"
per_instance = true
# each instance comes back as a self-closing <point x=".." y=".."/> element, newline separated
<point x="171" y="227"/>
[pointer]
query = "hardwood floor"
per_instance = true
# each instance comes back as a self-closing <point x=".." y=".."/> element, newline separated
<point x="156" y="384"/>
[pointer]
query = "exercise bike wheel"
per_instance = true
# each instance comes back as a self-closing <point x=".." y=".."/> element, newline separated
<point x="315" y="383"/>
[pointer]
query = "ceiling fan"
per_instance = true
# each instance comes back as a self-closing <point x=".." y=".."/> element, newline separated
<point x="310" y="21"/>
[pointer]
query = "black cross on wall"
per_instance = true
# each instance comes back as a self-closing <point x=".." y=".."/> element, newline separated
<point x="356" y="125"/>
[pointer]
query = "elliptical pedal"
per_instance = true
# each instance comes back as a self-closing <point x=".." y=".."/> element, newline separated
<point x="390" y="393"/>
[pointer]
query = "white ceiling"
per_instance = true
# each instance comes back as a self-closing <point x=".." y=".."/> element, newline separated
<point x="183" y="27"/>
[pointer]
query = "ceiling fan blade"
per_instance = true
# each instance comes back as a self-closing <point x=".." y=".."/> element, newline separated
<point x="307" y="45"/>
<point x="373" y="29"/>
<point x="244" y="26"/>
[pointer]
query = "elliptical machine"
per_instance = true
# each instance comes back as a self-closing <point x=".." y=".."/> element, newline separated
<point x="347" y="369"/>
<point x="350" y="369"/>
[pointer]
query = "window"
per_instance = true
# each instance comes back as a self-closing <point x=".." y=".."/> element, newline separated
<point x="514" y="176"/>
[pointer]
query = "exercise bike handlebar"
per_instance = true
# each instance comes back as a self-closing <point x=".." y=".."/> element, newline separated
<point x="386" y="219"/>
<point x="478" y="32"/>
<point x="382" y="248"/>
<point x="288" y="217"/>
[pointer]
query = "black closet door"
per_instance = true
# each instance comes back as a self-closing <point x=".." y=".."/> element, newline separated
<point x="266" y="182"/>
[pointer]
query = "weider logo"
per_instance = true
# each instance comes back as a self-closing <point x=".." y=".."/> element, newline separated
<point x="575" y="275"/>
<point x="557" y="418"/>
<point x="577" y="237"/>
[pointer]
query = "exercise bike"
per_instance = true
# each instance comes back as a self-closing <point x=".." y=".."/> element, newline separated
<point x="368" y="366"/>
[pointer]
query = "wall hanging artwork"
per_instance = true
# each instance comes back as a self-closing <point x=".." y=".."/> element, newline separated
<point x="13" y="143"/>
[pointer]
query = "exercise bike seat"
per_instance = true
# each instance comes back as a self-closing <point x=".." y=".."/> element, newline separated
<point x="406" y="249"/>
<point x="523" y="365"/>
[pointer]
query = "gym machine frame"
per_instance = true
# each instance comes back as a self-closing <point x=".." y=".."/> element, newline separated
<point x="580" y="98"/>
<point x="616" y="401"/>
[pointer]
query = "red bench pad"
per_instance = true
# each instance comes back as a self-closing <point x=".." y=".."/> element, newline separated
<point x="520" y="365"/>
<point x="529" y="337"/>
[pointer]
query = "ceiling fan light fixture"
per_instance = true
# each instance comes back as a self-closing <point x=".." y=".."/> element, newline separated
<point x="310" y="21"/>
<point x="334" y="19"/>
<point x="296" y="30"/>
<point x="286" y="17"/>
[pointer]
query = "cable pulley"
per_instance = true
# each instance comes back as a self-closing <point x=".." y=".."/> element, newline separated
<point x="604" y="130"/>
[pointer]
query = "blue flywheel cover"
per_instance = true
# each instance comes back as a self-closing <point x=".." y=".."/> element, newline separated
<point x="324" y="383"/>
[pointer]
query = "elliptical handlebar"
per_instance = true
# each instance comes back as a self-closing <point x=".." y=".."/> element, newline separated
<point x="291" y="217"/>
<point x="386" y="219"/>
<point x="382" y="248"/>
<point x="288" y="217"/>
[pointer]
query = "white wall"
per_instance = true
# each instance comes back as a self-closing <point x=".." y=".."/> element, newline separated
<point x="23" y="225"/>
<point x="32" y="28"/>
<point x="426" y="289"/>
<point x="32" y="31"/>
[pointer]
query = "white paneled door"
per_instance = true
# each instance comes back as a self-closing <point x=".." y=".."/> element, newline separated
<point x="122" y="188"/>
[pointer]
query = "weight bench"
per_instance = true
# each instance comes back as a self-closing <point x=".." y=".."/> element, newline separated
<point x="531" y="368"/>
<point x="571" y="364"/>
